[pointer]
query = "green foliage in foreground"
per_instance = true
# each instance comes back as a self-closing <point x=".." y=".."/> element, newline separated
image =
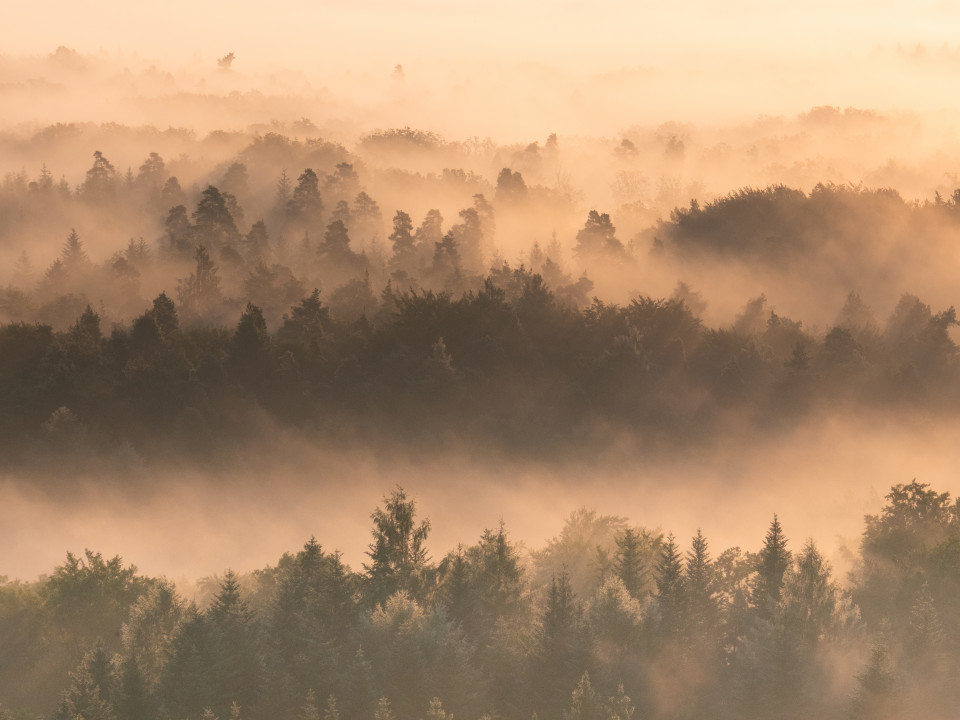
<point x="652" y="630"/>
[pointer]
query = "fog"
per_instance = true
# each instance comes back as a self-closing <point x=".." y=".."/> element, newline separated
<point x="820" y="480"/>
<point x="658" y="270"/>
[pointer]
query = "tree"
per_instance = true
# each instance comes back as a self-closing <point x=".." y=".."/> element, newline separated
<point x="150" y="176"/>
<point x="305" y="206"/>
<point x="133" y="701"/>
<point x="331" y="712"/>
<point x="179" y="232"/>
<point x="403" y="243"/>
<point x="310" y="628"/>
<point x="631" y="563"/>
<point x="398" y="556"/>
<point x="90" y="596"/>
<point x="213" y="223"/>
<point x="367" y="218"/>
<point x="257" y="242"/>
<point x="772" y="563"/>
<point x="200" y="293"/>
<point x="809" y="597"/>
<point x="337" y="259"/>
<point x="73" y="255"/>
<point x="585" y="703"/>
<point x="305" y="325"/>
<point x="383" y="710"/>
<point x="236" y="672"/>
<point x="101" y="179"/>
<point x="172" y="194"/>
<point x="250" y="351"/>
<point x="88" y="694"/>
<point x="597" y="241"/>
<point x="498" y="578"/>
<point x="563" y="651"/>
<point x="898" y="548"/>
<point x="469" y="237"/>
<point x="670" y="587"/>
<point x="510" y="187"/>
<point x="699" y="589"/>
<point x="877" y="696"/>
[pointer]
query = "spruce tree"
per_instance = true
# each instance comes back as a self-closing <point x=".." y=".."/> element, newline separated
<point x="630" y="565"/>
<point x="772" y="563"/>
<point x="700" y="596"/>
<point x="670" y="587"/>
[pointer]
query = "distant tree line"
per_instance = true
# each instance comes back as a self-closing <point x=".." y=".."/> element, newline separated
<point x="607" y="621"/>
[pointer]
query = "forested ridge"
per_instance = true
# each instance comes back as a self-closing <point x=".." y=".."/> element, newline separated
<point x="608" y="620"/>
<point x="509" y="363"/>
<point x="318" y="320"/>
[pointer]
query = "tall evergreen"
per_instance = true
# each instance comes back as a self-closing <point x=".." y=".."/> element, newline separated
<point x="670" y="587"/>
<point x="700" y="594"/>
<point x="398" y="555"/>
<point x="630" y="563"/>
<point x="772" y="563"/>
<point x="236" y="671"/>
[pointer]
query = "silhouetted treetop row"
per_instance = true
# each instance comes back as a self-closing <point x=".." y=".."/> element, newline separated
<point x="590" y="626"/>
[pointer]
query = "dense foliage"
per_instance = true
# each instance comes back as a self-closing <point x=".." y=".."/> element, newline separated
<point x="652" y="630"/>
<point x="425" y="332"/>
<point x="508" y="363"/>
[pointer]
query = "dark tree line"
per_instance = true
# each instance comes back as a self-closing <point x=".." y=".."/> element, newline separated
<point x="509" y="363"/>
<point x="665" y="630"/>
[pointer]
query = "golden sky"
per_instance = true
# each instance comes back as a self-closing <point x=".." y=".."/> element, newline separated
<point x="299" y="32"/>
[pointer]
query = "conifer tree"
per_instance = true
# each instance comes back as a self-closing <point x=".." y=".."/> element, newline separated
<point x="630" y="564"/>
<point x="772" y="563"/>
<point x="585" y="703"/>
<point x="331" y="712"/>
<point x="134" y="700"/>
<point x="383" y="711"/>
<point x="699" y="593"/>
<point x="398" y="555"/>
<point x="670" y="587"/>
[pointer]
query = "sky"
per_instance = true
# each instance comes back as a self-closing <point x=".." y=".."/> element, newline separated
<point x="598" y="66"/>
<point x="301" y="33"/>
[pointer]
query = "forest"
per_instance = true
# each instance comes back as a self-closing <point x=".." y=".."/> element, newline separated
<point x="239" y="306"/>
<point x="333" y="321"/>
<point x="606" y="621"/>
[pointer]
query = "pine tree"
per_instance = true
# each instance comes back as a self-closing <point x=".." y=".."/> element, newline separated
<point x="585" y="703"/>
<point x="619" y="707"/>
<point x="670" y="587"/>
<point x="257" y="242"/>
<point x="773" y="562"/>
<point x="213" y="223"/>
<point x="630" y="563"/>
<point x="100" y="180"/>
<point x="200" y="293"/>
<point x="73" y="255"/>
<point x="498" y="581"/>
<point x="436" y="712"/>
<point x="699" y="593"/>
<point x="877" y="696"/>
<point x="89" y="693"/>
<point x="236" y="669"/>
<point x="403" y="243"/>
<point x="383" y="710"/>
<point x="330" y="712"/>
<point x="134" y="700"/>
<point x="456" y="590"/>
<point x="809" y="596"/>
